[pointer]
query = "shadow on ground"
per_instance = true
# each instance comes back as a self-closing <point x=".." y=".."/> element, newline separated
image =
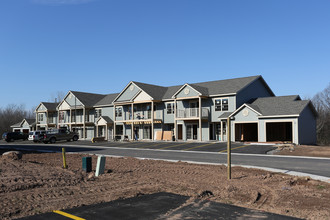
<point x="161" y="206"/>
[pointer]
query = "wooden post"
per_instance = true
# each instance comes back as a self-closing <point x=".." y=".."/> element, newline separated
<point x="152" y="120"/>
<point x="175" y="122"/>
<point x="228" y="149"/>
<point x="64" y="158"/>
<point x="200" y="118"/>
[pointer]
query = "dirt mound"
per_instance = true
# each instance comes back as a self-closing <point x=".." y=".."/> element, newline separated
<point x="12" y="155"/>
<point x="37" y="183"/>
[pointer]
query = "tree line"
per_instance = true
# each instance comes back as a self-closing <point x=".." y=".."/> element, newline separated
<point x="13" y="114"/>
<point x="321" y="102"/>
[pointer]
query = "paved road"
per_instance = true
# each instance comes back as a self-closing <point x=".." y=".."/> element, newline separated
<point x="181" y="146"/>
<point x="314" y="166"/>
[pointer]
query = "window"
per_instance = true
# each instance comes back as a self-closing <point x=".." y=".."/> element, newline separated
<point x="87" y="116"/>
<point x="98" y="113"/>
<point x="218" y="105"/>
<point x="61" y="117"/>
<point x="170" y="108"/>
<point x="40" y="117"/>
<point x="221" y="105"/>
<point x="119" y="112"/>
<point x="224" y="104"/>
<point x="51" y="118"/>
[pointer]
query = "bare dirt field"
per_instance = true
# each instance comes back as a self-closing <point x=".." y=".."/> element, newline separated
<point x="37" y="183"/>
<point x="304" y="150"/>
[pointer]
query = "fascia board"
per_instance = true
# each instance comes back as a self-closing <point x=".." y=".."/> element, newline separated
<point x="279" y="116"/>
<point x="221" y="95"/>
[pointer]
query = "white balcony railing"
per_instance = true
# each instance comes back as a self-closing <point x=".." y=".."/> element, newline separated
<point x="192" y="113"/>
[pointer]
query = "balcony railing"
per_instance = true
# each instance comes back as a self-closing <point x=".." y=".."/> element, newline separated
<point x="192" y="113"/>
<point x="141" y="115"/>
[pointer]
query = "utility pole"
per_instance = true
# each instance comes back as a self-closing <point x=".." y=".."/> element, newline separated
<point x="228" y="148"/>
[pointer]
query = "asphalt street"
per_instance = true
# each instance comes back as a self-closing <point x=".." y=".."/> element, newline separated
<point x="211" y="152"/>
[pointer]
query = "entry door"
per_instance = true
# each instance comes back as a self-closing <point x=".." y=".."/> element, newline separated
<point x="136" y="132"/>
<point x="179" y="132"/>
<point x="192" y="132"/>
<point x="147" y="132"/>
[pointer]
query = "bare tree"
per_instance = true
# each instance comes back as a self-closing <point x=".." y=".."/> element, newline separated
<point x="321" y="102"/>
<point x="13" y="114"/>
<point x="57" y="97"/>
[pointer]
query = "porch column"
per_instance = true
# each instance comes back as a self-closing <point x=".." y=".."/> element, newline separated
<point x="47" y="121"/>
<point x="36" y="121"/>
<point x="200" y="118"/>
<point x="152" y="120"/>
<point x="132" y="125"/>
<point x="97" y="130"/>
<point x="84" y="125"/>
<point x="106" y="131"/>
<point x="175" y="122"/>
<point x="221" y="130"/>
<point x="70" y="120"/>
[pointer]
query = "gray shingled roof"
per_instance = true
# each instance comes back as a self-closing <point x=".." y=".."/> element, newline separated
<point x="88" y="99"/>
<point x="30" y="121"/>
<point x="107" y="100"/>
<point x="281" y="105"/>
<point x="51" y="106"/>
<point x="156" y="92"/>
<point x="17" y="125"/>
<point x="107" y="119"/>
<point x="225" y="115"/>
<point x="225" y="86"/>
<point x="171" y="91"/>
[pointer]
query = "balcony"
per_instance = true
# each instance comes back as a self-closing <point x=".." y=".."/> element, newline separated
<point x="192" y="113"/>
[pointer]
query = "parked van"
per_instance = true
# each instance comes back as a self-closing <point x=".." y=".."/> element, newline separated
<point x="36" y="136"/>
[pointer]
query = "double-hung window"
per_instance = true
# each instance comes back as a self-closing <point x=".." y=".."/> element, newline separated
<point x="119" y="112"/>
<point x="221" y="104"/>
<point x="217" y="104"/>
<point x="170" y="108"/>
<point x="98" y="113"/>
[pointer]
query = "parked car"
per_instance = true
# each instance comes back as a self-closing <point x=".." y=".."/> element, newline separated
<point x="60" y="134"/>
<point x="12" y="136"/>
<point x="36" y="136"/>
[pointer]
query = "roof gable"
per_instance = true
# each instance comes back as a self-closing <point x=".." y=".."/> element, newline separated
<point x="187" y="91"/>
<point x="142" y="96"/>
<point x="128" y="93"/>
<point x="41" y="107"/>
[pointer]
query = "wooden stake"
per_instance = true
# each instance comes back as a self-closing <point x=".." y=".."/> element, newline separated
<point x="228" y="149"/>
<point x="64" y="158"/>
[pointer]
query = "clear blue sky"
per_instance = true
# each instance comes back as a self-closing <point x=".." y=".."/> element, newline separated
<point x="99" y="46"/>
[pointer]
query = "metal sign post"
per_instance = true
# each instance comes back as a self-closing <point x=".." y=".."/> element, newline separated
<point x="228" y="148"/>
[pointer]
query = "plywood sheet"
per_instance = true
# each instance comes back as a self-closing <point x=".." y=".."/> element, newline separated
<point x="159" y="135"/>
<point x="167" y="136"/>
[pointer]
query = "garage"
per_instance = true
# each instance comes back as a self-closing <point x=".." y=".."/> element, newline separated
<point x="279" y="131"/>
<point x="246" y="132"/>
